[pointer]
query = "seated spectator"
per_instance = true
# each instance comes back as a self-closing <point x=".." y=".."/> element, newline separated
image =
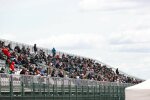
<point x="2" y="70"/>
<point x="2" y="44"/>
<point x="9" y="46"/>
<point x="17" y="49"/>
<point x="5" y="50"/>
<point x="23" y="50"/>
<point x="54" y="73"/>
<point x="60" y="74"/>
<point x="28" y="51"/>
<point x="23" y="71"/>
<point x="12" y="66"/>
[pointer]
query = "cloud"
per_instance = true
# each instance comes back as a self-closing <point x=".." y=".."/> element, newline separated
<point x="8" y="36"/>
<point x="72" y="41"/>
<point x="143" y="27"/>
<point x="113" y="31"/>
<point x="132" y="41"/>
<point x="108" y="4"/>
<point x="135" y="48"/>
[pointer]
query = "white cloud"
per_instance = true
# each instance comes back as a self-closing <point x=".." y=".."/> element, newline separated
<point x="107" y="4"/>
<point x="73" y="41"/>
<point x="8" y="36"/>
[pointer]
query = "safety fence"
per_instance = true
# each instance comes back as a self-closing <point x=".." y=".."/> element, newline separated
<point x="25" y="87"/>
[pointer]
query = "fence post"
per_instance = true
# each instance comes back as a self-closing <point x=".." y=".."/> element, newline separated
<point x="88" y="92"/>
<point x="33" y="90"/>
<point x="69" y="88"/>
<point x="56" y="81"/>
<point x="99" y="93"/>
<point x="104" y="94"/>
<point x="22" y="90"/>
<point x="44" y="91"/>
<point x="62" y="87"/>
<point x="94" y="92"/>
<point x="11" y="87"/>
<point x="82" y="93"/>
<point x="0" y="84"/>
<point x="48" y="79"/>
<point x="39" y="84"/>
<point x="76" y="92"/>
<point x="53" y="92"/>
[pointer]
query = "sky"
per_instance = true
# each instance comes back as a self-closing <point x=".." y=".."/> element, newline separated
<point x="115" y="32"/>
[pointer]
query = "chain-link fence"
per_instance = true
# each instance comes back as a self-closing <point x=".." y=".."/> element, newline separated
<point x="17" y="87"/>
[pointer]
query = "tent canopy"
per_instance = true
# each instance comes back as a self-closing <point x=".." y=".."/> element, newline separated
<point x="138" y="92"/>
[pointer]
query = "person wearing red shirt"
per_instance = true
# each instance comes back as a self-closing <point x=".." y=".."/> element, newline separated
<point x="12" y="66"/>
<point x="6" y="52"/>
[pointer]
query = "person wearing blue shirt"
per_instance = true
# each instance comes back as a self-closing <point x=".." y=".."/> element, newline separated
<point x="53" y="52"/>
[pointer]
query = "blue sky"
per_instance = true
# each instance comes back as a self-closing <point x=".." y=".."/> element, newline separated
<point x="116" y="32"/>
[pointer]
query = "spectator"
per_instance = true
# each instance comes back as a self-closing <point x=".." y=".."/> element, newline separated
<point x="17" y="49"/>
<point x="12" y="66"/>
<point x="53" y="52"/>
<point x="35" y="48"/>
<point x="5" y="50"/>
<point x="28" y="51"/>
<point x="2" y="44"/>
<point x="2" y="70"/>
<point x="23" y="72"/>
<point x="54" y="73"/>
<point x="117" y="71"/>
<point x="9" y="46"/>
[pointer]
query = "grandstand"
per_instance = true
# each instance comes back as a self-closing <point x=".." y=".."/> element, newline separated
<point x="40" y="73"/>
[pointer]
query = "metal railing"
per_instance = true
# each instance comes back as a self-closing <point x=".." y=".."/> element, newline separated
<point x="25" y="87"/>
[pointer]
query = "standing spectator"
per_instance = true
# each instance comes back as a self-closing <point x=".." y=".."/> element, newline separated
<point x="53" y="52"/>
<point x="117" y="72"/>
<point x="35" y="48"/>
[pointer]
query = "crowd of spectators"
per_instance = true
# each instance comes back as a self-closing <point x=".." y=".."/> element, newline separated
<point x="54" y="65"/>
